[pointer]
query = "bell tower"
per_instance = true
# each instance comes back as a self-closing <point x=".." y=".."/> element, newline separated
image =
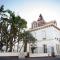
<point x="40" y="20"/>
<point x="40" y="17"/>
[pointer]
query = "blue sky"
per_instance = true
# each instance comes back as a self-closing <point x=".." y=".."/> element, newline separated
<point x="30" y="9"/>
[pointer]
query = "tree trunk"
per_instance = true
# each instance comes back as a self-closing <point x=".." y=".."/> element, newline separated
<point x="18" y="39"/>
<point x="17" y="46"/>
<point x="11" y="44"/>
<point x="10" y="47"/>
<point x="6" y="45"/>
<point x="25" y="46"/>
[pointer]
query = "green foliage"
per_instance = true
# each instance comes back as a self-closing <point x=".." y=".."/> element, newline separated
<point x="2" y="8"/>
<point x="17" y="25"/>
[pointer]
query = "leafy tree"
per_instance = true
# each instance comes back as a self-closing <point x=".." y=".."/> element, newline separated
<point x="17" y="24"/>
<point x="3" y="27"/>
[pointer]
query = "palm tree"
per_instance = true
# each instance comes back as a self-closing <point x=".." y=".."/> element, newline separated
<point x="27" y="38"/>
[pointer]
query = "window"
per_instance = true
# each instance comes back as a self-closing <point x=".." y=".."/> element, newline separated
<point x="52" y="49"/>
<point x="58" y="48"/>
<point x="59" y="39"/>
<point x="44" y="38"/>
<point x="45" y="48"/>
<point x="34" y="25"/>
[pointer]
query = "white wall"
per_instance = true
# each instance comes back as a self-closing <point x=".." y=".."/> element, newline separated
<point x="50" y="33"/>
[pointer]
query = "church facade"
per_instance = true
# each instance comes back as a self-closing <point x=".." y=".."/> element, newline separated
<point x="47" y="35"/>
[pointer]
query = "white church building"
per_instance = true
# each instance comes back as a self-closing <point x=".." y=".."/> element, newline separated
<point x="48" y="39"/>
<point x="47" y="35"/>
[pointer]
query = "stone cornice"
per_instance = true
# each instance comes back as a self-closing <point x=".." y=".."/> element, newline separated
<point x="45" y="26"/>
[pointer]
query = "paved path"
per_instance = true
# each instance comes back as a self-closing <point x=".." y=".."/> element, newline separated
<point x="44" y="58"/>
<point x="9" y="58"/>
<point x="36" y="58"/>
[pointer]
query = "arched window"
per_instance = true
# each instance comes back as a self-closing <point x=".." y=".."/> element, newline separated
<point x="34" y="24"/>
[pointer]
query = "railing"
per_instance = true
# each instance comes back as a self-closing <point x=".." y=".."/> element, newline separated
<point x="19" y="54"/>
<point x="8" y="54"/>
<point x="39" y="55"/>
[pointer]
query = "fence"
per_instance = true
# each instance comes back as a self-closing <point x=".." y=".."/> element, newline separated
<point x="8" y="54"/>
